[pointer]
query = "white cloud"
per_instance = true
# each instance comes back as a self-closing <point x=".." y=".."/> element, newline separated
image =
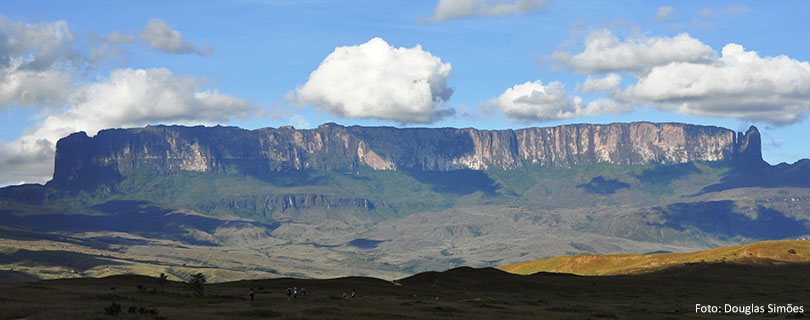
<point x="129" y="98"/>
<point x="376" y="80"/>
<point x="740" y="84"/>
<point x="40" y="66"/>
<point x="665" y="13"/>
<point x="34" y="59"/>
<point x="160" y="36"/>
<point x="108" y="48"/>
<point x="454" y="9"/>
<point x="534" y="102"/>
<point x="695" y="80"/>
<point x="119" y="37"/>
<point x="604" y="53"/>
<point x="608" y="83"/>
<point x="26" y="161"/>
<point x="29" y="88"/>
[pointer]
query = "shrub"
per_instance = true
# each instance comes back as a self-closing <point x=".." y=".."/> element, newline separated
<point x="196" y="282"/>
<point x="113" y="309"/>
<point x="162" y="280"/>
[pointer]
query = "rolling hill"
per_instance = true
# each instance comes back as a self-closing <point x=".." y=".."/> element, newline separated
<point x="758" y="253"/>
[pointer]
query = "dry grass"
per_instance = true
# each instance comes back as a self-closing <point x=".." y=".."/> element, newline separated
<point x="766" y="252"/>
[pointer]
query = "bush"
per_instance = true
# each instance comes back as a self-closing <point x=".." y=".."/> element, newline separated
<point x="162" y="280"/>
<point x="113" y="309"/>
<point x="196" y="282"/>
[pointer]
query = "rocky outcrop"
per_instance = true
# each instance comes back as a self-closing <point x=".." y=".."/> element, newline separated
<point x="269" y="204"/>
<point x="170" y="149"/>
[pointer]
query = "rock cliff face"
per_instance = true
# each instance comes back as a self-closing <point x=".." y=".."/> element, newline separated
<point x="170" y="149"/>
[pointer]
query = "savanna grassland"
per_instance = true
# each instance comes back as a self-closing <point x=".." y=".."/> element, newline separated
<point x="462" y="293"/>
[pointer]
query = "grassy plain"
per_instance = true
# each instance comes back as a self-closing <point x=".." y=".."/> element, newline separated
<point x="462" y="293"/>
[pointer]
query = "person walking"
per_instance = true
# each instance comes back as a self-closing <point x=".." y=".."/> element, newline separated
<point x="251" y="293"/>
<point x="289" y="293"/>
<point x="303" y="293"/>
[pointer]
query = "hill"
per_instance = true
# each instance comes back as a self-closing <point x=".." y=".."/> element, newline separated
<point x="762" y="253"/>
<point x="458" y="293"/>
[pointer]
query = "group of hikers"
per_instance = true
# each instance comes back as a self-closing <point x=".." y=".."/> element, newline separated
<point x="292" y="293"/>
<point x="346" y="296"/>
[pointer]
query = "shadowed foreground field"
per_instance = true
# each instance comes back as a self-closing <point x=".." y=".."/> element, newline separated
<point x="462" y="293"/>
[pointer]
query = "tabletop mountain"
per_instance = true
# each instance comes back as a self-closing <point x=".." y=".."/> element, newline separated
<point x="390" y="202"/>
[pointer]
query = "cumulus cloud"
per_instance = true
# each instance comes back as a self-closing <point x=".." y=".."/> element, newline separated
<point x="605" y="53"/>
<point x="534" y="102"/>
<point x="739" y="84"/>
<point x="455" y="9"/>
<point x="376" y="80"/>
<point x="679" y="74"/>
<point x="665" y="13"/>
<point x="34" y="59"/>
<point x="129" y="98"/>
<point x="697" y="81"/>
<point x="160" y="36"/>
<point x="608" y="83"/>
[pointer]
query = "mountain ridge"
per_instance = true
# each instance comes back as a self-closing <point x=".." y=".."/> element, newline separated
<point x="389" y="202"/>
<point x="170" y="149"/>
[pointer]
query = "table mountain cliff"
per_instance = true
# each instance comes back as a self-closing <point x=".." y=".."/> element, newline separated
<point x="170" y="149"/>
<point x="383" y="201"/>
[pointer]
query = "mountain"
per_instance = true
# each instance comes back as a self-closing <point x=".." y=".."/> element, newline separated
<point x="390" y="202"/>
<point x="172" y="149"/>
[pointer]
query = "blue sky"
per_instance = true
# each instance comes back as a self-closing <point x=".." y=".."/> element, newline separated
<point x="88" y="65"/>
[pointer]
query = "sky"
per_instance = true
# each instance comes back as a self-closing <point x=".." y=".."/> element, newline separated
<point x="68" y="66"/>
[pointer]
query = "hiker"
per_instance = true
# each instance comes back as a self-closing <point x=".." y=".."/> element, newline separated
<point x="303" y="293"/>
<point x="289" y="293"/>
<point x="251" y="293"/>
<point x="353" y="294"/>
<point x="295" y="293"/>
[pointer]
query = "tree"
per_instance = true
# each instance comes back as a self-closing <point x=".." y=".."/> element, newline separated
<point x="162" y="280"/>
<point x="196" y="282"/>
